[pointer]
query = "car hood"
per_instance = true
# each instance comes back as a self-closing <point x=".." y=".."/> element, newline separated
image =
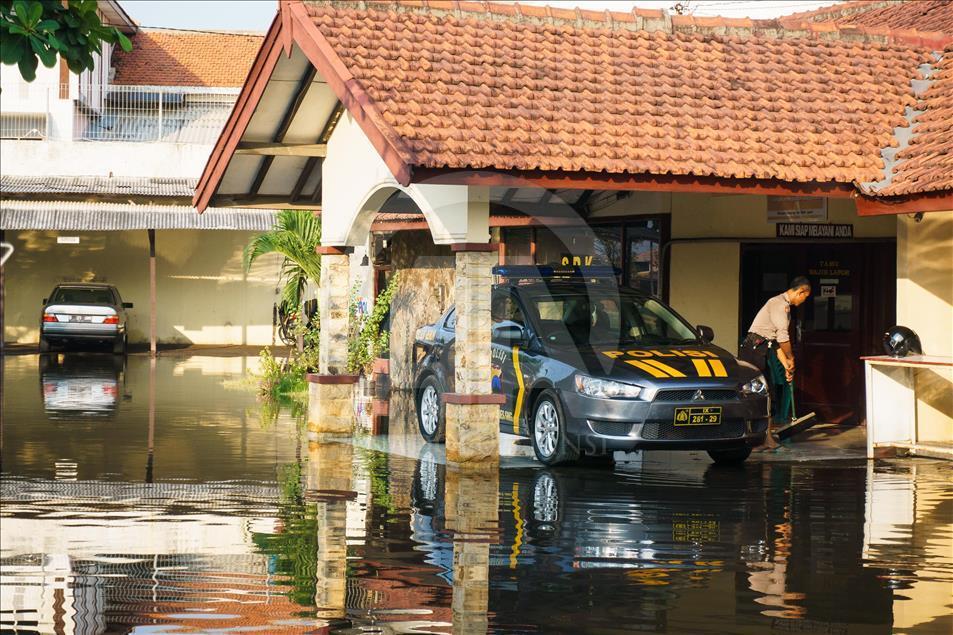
<point x="657" y="365"/>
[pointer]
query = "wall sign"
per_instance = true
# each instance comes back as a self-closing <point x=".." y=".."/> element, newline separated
<point x="818" y="231"/>
<point x="797" y="208"/>
<point x="67" y="240"/>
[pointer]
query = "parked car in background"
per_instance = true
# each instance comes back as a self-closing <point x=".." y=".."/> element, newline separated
<point x="84" y="313"/>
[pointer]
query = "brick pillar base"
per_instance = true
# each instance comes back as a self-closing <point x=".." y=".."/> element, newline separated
<point x="473" y="433"/>
<point x="331" y="404"/>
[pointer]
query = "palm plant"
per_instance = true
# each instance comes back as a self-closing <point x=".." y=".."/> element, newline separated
<point x="296" y="236"/>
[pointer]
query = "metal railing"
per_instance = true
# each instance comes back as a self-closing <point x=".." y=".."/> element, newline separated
<point x="165" y="114"/>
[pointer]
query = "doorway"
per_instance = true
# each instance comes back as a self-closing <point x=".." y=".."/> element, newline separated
<point x="853" y="302"/>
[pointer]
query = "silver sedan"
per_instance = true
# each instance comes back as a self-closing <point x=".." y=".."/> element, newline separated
<point x="84" y="312"/>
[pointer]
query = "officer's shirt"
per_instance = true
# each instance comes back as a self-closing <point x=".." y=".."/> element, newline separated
<point x="773" y="319"/>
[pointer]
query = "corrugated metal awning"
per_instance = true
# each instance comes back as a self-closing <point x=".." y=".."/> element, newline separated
<point x="117" y="185"/>
<point x="93" y="216"/>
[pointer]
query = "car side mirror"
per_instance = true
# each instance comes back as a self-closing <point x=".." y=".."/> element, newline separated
<point x="127" y="305"/>
<point x="508" y="333"/>
<point x="44" y="300"/>
<point x="706" y="333"/>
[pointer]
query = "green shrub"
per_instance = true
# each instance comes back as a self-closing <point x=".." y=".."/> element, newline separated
<point x="366" y="340"/>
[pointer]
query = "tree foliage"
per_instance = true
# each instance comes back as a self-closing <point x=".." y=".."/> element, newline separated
<point x="33" y="31"/>
<point x="296" y="236"/>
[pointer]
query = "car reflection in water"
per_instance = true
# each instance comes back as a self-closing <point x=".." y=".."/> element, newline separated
<point x="81" y="386"/>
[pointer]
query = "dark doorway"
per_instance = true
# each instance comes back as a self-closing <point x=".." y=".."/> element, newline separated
<point x="853" y="303"/>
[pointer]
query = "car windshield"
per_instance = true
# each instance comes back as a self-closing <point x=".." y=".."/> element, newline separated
<point x="78" y="295"/>
<point x="608" y="320"/>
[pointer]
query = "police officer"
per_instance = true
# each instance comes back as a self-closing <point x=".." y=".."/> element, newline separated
<point x="768" y="344"/>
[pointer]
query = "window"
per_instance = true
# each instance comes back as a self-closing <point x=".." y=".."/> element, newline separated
<point x="608" y="320"/>
<point x="23" y="126"/>
<point x="67" y="295"/>
<point x="451" y="323"/>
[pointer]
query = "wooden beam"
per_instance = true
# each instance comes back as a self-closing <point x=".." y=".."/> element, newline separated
<point x="283" y="149"/>
<point x="625" y="181"/>
<point x="260" y="202"/>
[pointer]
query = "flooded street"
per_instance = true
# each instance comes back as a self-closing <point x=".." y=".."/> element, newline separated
<point x="171" y="501"/>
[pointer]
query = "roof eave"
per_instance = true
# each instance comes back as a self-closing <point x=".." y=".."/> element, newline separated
<point x="561" y="179"/>
<point x="937" y="201"/>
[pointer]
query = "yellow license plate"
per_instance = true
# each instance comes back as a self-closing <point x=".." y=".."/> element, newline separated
<point x="698" y="416"/>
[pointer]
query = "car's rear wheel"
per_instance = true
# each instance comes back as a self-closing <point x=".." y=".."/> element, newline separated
<point x="550" y="441"/>
<point x="44" y="345"/>
<point x="119" y="345"/>
<point x="731" y="456"/>
<point x="431" y="411"/>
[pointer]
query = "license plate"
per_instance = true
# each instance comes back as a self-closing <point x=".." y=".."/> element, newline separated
<point x="698" y="416"/>
<point x="80" y="318"/>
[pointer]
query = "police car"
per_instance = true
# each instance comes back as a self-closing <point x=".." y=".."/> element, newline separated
<point x="587" y="368"/>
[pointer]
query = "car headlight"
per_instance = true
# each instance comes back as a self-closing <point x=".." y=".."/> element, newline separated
<point x="757" y="386"/>
<point x="605" y="389"/>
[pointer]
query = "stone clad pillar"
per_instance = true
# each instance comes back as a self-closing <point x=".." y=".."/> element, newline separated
<point x="472" y="506"/>
<point x="331" y="391"/>
<point x="473" y="412"/>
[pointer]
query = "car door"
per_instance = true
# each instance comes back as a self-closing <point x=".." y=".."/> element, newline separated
<point x="507" y="374"/>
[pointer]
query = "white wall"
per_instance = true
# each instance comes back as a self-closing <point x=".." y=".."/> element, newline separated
<point x="100" y="158"/>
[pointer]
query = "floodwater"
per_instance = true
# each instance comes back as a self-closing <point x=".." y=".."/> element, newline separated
<point x="168" y="500"/>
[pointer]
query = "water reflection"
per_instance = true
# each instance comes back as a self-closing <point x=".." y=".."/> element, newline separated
<point x="75" y="387"/>
<point x="243" y="522"/>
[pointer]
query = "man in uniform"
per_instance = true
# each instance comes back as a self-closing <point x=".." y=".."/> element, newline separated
<point x="768" y="343"/>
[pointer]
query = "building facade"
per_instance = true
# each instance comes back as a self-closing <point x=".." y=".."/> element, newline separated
<point x="98" y="169"/>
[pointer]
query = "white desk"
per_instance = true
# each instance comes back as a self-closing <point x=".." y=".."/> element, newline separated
<point x="892" y="404"/>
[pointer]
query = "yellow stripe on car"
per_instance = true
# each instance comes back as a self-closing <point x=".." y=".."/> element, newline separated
<point x="519" y="391"/>
<point x="651" y="370"/>
<point x="701" y="367"/>
<point x="665" y="368"/>
<point x="718" y="367"/>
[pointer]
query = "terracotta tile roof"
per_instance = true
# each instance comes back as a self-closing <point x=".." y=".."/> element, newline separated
<point x="164" y="57"/>
<point x="925" y="164"/>
<point x="923" y="15"/>
<point x="491" y="89"/>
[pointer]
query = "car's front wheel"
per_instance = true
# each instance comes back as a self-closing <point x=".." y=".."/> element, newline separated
<point x="550" y="441"/>
<point x="731" y="456"/>
<point x="431" y="411"/>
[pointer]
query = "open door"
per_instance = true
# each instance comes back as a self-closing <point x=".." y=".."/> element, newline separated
<point x="853" y="302"/>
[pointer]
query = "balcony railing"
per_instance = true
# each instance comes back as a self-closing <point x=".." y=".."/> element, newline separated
<point x="165" y="114"/>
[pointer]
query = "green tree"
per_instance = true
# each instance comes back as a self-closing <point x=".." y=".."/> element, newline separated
<point x="296" y="236"/>
<point x="33" y="31"/>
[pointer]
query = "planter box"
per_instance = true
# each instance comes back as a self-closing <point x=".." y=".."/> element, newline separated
<point x="381" y="366"/>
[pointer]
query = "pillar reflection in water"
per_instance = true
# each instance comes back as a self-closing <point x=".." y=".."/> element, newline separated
<point x="472" y="514"/>
<point x="329" y="486"/>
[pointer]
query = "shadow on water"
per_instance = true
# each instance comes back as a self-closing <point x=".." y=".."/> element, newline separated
<point x="167" y="497"/>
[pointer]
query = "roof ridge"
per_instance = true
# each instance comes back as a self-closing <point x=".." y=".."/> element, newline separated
<point x="840" y="8"/>
<point x="640" y="19"/>
<point x="239" y="33"/>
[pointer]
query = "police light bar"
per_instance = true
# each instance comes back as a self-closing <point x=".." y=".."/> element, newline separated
<point x="546" y="272"/>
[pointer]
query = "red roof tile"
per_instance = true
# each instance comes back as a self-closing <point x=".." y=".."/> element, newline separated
<point x="923" y="15"/>
<point x="465" y="89"/>
<point x="162" y="57"/>
<point x="926" y="164"/>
